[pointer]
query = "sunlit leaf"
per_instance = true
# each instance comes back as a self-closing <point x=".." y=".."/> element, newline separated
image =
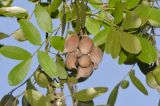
<point x="6" y="2"/>
<point x="130" y="4"/>
<point x="47" y="64"/>
<point x="118" y="13"/>
<point x="55" y="4"/>
<point x="101" y="36"/>
<point x="33" y="96"/>
<point x="30" y="32"/>
<point x="19" y="72"/>
<point x="113" y="96"/>
<point x="92" y="25"/>
<point x="131" y="21"/>
<point x="13" y="12"/>
<point x="113" y="43"/>
<point x="90" y="93"/>
<point x="62" y="73"/>
<point x="148" y="53"/>
<point x="15" y="52"/>
<point x="57" y="42"/>
<point x="130" y="43"/>
<point x="138" y="84"/>
<point x="156" y="73"/>
<point x="94" y="3"/>
<point x="43" y="18"/>
<point x="154" y="17"/>
<point x="3" y="35"/>
<point x="143" y="11"/>
<point x="122" y="57"/>
<point x="19" y="35"/>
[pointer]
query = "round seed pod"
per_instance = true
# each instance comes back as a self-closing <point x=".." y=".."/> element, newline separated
<point x="41" y="79"/>
<point x="84" y="72"/>
<point x="124" y="84"/>
<point x="71" y="43"/>
<point x="84" y="61"/>
<point x="86" y="45"/>
<point x="151" y="81"/>
<point x="71" y="60"/>
<point x="96" y="56"/>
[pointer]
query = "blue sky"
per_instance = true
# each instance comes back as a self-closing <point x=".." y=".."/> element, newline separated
<point x="108" y="74"/>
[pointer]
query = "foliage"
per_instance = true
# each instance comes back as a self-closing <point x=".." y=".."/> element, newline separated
<point x="122" y="28"/>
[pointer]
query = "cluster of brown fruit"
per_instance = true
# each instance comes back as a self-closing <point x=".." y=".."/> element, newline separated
<point x="81" y="55"/>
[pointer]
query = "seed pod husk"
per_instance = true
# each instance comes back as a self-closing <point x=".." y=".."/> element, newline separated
<point x="84" y="72"/>
<point x="151" y="81"/>
<point x="84" y="61"/>
<point x="41" y="79"/>
<point x="96" y="56"/>
<point x="86" y="45"/>
<point x="8" y="100"/>
<point x="71" y="43"/>
<point x="70" y="61"/>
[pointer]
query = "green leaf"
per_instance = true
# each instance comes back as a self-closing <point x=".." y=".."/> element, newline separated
<point x="19" y="35"/>
<point x="154" y="19"/>
<point x="101" y="36"/>
<point x="90" y="93"/>
<point x="15" y="52"/>
<point x="118" y="13"/>
<point x="137" y="83"/>
<point x="6" y="2"/>
<point x="143" y="11"/>
<point x="57" y="42"/>
<point x="124" y="84"/>
<point x="47" y="64"/>
<point x="3" y="35"/>
<point x="113" y="96"/>
<point x="30" y="32"/>
<point x="33" y="96"/>
<point x="148" y="53"/>
<point x="55" y="4"/>
<point x="43" y="18"/>
<point x="113" y="43"/>
<point x="62" y="73"/>
<point x="122" y="57"/>
<point x="151" y="80"/>
<point x="93" y="4"/>
<point x="156" y="73"/>
<point x="92" y="25"/>
<point x="130" y="43"/>
<point x="112" y="3"/>
<point x="132" y="3"/>
<point x="13" y="12"/>
<point x="19" y="72"/>
<point x="131" y="21"/>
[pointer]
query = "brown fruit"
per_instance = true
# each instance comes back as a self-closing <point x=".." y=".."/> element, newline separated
<point x="86" y="45"/>
<point x="96" y="56"/>
<point x="71" y="60"/>
<point x="84" y="61"/>
<point x="71" y="43"/>
<point x="84" y="72"/>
